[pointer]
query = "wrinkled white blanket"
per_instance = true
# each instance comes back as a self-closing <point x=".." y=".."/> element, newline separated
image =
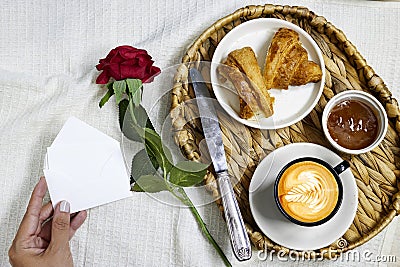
<point x="48" y="50"/>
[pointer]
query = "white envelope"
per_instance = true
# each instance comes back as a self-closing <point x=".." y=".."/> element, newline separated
<point x="76" y="131"/>
<point x="85" y="167"/>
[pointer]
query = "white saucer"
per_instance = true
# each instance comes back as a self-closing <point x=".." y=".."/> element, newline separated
<point x="279" y="229"/>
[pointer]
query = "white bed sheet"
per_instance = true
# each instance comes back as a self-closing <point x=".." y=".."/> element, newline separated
<point x="48" y="50"/>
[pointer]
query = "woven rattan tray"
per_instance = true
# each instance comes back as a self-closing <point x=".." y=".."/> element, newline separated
<point x="377" y="173"/>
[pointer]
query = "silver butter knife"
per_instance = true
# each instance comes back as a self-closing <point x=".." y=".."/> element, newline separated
<point x="209" y="120"/>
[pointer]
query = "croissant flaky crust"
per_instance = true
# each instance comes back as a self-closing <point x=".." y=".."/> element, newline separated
<point x="242" y="70"/>
<point x="287" y="62"/>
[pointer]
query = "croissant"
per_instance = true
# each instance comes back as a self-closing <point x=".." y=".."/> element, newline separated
<point x="287" y="62"/>
<point x="242" y="70"/>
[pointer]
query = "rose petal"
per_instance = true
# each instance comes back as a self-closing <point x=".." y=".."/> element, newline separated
<point x="101" y="64"/>
<point x="110" y="55"/>
<point x="127" y="62"/>
<point x="103" y="78"/>
<point x="115" y="71"/>
<point x="144" y="59"/>
<point x="130" y="53"/>
<point x="131" y="71"/>
<point x="154" y="71"/>
<point x="117" y="58"/>
<point x="126" y="48"/>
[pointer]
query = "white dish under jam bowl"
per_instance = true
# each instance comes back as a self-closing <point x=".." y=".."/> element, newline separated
<point x="370" y="101"/>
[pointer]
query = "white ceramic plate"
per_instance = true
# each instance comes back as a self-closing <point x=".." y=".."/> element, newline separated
<point x="290" y="105"/>
<point x="277" y="227"/>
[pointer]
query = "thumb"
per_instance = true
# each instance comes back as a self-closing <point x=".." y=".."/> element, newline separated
<point x="60" y="226"/>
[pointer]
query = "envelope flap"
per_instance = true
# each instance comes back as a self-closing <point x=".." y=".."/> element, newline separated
<point x="76" y="131"/>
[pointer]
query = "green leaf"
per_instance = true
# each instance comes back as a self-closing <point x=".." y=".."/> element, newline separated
<point x="133" y="129"/>
<point x="153" y="160"/>
<point x="122" y="107"/>
<point x="141" y="116"/>
<point x="143" y="164"/>
<point x="188" y="173"/>
<point x="149" y="124"/>
<point x="149" y="183"/>
<point x="155" y="147"/>
<point x="119" y="90"/>
<point x="106" y="97"/>
<point x="136" y="188"/>
<point x="134" y="86"/>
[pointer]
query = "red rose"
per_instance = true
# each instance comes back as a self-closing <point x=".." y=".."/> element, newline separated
<point x="126" y="62"/>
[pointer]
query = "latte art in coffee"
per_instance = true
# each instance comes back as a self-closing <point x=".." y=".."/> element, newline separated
<point x="308" y="191"/>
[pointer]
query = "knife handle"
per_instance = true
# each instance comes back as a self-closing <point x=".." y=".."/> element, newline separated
<point x="239" y="238"/>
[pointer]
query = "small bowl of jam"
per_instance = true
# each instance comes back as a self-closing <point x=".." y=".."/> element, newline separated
<point x="354" y="122"/>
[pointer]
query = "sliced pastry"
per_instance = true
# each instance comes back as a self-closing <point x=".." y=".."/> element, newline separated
<point x="242" y="70"/>
<point x="287" y="62"/>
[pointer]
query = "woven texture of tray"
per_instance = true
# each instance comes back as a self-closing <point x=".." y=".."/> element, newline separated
<point x="377" y="173"/>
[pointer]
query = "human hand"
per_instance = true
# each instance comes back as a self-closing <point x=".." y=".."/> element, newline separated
<point x="41" y="241"/>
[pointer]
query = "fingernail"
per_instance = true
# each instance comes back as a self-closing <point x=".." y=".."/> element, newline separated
<point x="64" y="206"/>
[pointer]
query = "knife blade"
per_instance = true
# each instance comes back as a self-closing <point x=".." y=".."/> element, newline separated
<point x="212" y="132"/>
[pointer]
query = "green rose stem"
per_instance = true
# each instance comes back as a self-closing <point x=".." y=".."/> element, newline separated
<point x="186" y="200"/>
<point x="132" y="90"/>
<point x="181" y="195"/>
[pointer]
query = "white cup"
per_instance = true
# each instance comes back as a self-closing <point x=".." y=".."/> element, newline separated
<point x="372" y="103"/>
